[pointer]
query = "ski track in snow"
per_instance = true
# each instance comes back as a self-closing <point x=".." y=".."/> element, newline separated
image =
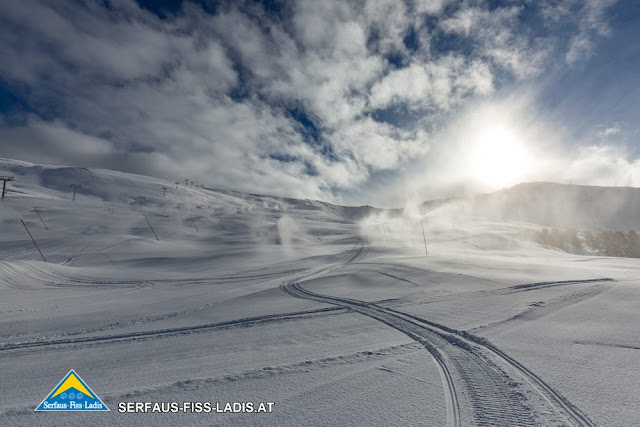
<point x="247" y="322"/>
<point x="305" y="366"/>
<point x="496" y="389"/>
<point x="525" y="287"/>
<point x="143" y="292"/>
<point x="540" y="309"/>
<point x="530" y="286"/>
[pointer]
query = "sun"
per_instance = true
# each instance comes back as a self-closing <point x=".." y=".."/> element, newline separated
<point x="499" y="158"/>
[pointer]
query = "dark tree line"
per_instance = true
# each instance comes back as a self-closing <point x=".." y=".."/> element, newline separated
<point x="614" y="243"/>
<point x="609" y="243"/>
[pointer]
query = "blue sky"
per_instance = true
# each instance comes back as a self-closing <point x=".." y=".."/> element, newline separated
<point x="371" y="101"/>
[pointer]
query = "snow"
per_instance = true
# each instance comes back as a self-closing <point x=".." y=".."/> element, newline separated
<point x="564" y="205"/>
<point x="334" y="313"/>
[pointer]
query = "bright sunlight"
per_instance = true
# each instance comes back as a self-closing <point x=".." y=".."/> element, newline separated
<point x="499" y="158"/>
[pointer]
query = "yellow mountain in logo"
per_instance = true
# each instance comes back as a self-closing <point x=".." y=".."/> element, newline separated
<point x="72" y="394"/>
<point x="72" y="382"/>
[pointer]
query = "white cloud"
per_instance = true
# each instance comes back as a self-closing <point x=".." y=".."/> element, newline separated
<point x="411" y="83"/>
<point x="247" y="100"/>
<point x="440" y="84"/>
<point x="45" y="141"/>
<point x="497" y="35"/>
<point x="378" y="144"/>
<point x="431" y="7"/>
<point x="610" y="131"/>
<point x="602" y="165"/>
<point x="592" y="23"/>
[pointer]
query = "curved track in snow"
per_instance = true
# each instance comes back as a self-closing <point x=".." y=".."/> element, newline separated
<point x="129" y="336"/>
<point x="483" y="385"/>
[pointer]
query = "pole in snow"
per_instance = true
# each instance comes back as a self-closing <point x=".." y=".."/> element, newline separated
<point x="38" y="213"/>
<point x="4" y="183"/>
<point x="154" y="233"/>
<point x="385" y="233"/>
<point x="194" y="223"/>
<point x="75" y="188"/>
<point x="424" y="238"/>
<point x="34" y="242"/>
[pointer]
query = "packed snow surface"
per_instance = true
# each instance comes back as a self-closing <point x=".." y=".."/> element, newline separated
<point x="335" y="314"/>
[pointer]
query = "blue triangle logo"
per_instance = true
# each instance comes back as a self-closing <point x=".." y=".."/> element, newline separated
<point x="72" y="394"/>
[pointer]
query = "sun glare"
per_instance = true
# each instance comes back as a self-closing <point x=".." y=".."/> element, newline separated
<point x="499" y="158"/>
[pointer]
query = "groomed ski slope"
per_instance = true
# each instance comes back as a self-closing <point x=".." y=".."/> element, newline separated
<point x="335" y="314"/>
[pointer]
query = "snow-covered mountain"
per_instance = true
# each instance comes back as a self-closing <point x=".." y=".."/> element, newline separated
<point x="116" y="208"/>
<point x="157" y="292"/>
<point x="556" y="205"/>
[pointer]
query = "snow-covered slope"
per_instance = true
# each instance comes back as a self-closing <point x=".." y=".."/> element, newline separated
<point x="111" y="222"/>
<point x="334" y="313"/>
<point x="563" y="205"/>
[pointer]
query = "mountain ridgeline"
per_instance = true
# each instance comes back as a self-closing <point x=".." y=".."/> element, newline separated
<point x="563" y="205"/>
<point x="573" y="218"/>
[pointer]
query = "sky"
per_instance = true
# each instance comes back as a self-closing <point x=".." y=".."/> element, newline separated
<point x="362" y="102"/>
